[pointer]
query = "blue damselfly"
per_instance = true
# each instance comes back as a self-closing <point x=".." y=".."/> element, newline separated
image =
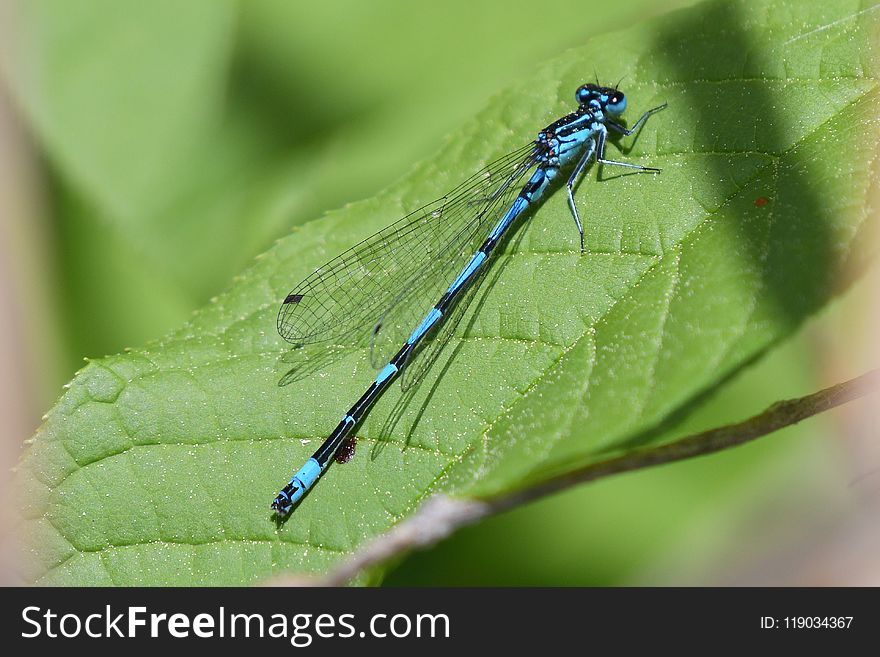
<point x="434" y="255"/>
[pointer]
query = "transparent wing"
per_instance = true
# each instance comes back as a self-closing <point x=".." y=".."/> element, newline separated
<point x="424" y="359"/>
<point x="419" y="296"/>
<point x="305" y="360"/>
<point x="433" y="344"/>
<point x="349" y="293"/>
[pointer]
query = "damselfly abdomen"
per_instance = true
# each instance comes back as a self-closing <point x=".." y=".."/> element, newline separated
<point x="385" y="284"/>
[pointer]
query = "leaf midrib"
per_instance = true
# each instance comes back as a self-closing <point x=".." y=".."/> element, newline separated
<point x="685" y="240"/>
<point x="481" y="437"/>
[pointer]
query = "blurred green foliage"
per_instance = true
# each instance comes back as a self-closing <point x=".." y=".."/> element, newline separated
<point x="182" y="138"/>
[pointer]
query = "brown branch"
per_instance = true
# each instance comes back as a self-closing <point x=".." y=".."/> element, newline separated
<point x="441" y="515"/>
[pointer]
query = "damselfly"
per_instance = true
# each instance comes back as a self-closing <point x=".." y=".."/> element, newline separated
<point x="435" y="255"/>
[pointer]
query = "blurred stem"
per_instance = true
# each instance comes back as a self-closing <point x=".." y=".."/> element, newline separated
<point x="441" y="516"/>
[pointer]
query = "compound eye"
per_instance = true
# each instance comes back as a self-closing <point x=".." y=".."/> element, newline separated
<point x="584" y="93"/>
<point x="616" y="103"/>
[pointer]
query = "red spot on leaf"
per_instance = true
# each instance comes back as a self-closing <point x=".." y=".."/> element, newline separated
<point x="346" y="451"/>
<point x="761" y="201"/>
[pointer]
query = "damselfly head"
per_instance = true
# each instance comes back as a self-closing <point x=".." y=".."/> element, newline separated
<point x="596" y="97"/>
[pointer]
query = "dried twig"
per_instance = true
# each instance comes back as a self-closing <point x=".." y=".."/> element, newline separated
<point x="441" y="515"/>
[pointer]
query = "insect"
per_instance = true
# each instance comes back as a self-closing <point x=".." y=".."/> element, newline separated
<point x="435" y="255"/>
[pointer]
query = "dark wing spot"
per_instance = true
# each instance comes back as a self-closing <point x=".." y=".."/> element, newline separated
<point x="293" y="298"/>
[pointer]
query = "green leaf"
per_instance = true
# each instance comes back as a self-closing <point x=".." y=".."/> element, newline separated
<point x="162" y="124"/>
<point x="157" y="466"/>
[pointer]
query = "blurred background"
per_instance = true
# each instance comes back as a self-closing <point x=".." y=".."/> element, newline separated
<point x="148" y="151"/>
